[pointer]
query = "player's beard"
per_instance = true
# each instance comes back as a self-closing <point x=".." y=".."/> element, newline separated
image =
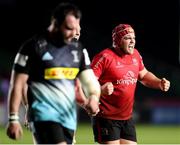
<point x="58" y="38"/>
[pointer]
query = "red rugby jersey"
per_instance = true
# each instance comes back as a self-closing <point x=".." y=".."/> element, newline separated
<point x="123" y="72"/>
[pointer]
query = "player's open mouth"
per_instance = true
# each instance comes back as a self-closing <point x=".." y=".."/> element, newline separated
<point x="131" y="47"/>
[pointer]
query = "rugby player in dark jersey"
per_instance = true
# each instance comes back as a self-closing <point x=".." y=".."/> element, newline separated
<point x="49" y="63"/>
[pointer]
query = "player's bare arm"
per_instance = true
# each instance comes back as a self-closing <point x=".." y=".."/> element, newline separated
<point x="81" y="99"/>
<point x="91" y="88"/>
<point x="14" y="130"/>
<point x="148" y="79"/>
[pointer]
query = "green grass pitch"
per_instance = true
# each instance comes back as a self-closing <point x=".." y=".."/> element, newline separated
<point x="146" y="134"/>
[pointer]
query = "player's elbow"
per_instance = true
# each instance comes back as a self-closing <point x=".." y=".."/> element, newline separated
<point x="90" y="84"/>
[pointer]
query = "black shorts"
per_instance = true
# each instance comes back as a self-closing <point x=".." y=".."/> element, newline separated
<point x="109" y="130"/>
<point x="48" y="132"/>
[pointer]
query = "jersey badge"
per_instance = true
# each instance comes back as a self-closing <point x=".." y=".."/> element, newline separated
<point x="47" y="56"/>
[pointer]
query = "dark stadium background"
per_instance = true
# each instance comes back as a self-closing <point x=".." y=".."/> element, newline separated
<point x="156" y="23"/>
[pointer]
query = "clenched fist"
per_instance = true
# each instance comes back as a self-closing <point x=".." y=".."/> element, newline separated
<point x="107" y="88"/>
<point x="164" y="84"/>
<point x="14" y="130"/>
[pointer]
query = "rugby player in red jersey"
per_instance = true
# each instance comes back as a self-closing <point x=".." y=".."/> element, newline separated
<point x="118" y="69"/>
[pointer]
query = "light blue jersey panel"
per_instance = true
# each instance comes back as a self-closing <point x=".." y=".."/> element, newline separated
<point x="54" y="102"/>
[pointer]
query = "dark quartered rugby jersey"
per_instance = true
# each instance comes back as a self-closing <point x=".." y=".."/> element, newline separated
<point x="51" y="71"/>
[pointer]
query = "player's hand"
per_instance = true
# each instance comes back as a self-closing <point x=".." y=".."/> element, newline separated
<point x="92" y="106"/>
<point x="164" y="84"/>
<point x="14" y="130"/>
<point x="107" y="88"/>
<point x="26" y="122"/>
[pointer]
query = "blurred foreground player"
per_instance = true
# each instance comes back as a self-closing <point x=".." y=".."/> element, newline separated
<point x="49" y="64"/>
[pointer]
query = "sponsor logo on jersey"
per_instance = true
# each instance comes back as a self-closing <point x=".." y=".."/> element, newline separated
<point x="61" y="73"/>
<point x="135" y="62"/>
<point x="128" y="78"/>
<point x="99" y="62"/>
<point x="119" y="65"/>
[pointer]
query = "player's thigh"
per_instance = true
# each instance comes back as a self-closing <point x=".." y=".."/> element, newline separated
<point x="124" y="141"/>
<point x="121" y="141"/>
<point x="112" y="142"/>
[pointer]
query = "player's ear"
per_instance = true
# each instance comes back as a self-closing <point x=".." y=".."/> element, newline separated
<point x="55" y="23"/>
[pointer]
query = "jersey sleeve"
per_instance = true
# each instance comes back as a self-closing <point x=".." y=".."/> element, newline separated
<point x="23" y="57"/>
<point x="98" y="64"/>
<point x="141" y="64"/>
<point x="85" y="61"/>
